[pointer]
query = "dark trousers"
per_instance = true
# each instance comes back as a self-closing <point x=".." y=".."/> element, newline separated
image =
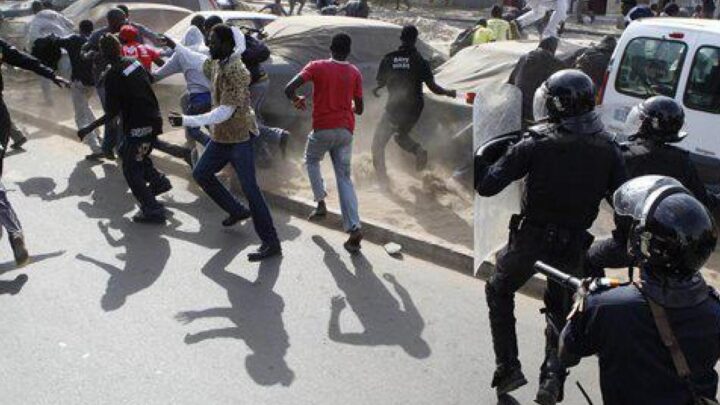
<point x="514" y="268"/>
<point x="397" y="124"/>
<point x="139" y="170"/>
<point x="241" y="157"/>
<point x="610" y="253"/>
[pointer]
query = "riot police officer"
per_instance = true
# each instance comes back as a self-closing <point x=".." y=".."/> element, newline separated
<point x="570" y="164"/>
<point x="654" y="125"/>
<point x="656" y="340"/>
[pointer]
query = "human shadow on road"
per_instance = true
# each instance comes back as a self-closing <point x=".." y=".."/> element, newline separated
<point x="507" y="399"/>
<point x="9" y="266"/>
<point x="81" y="183"/>
<point x="256" y="310"/>
<point x="13" y="287"/>
<point x="377" y="310"/>
<point x="146" y="254"/>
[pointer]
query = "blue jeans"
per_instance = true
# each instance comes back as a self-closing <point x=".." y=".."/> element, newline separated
<point x="241" y="157"/>
<point x="337" y="142"/>
<point x="112" y="127"/>
<point x="195" y="104"/>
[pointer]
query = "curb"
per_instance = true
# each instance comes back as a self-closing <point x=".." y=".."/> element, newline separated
<point x="457" y="259"/>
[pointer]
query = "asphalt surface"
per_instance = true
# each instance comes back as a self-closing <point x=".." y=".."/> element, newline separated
<point x="120" y="313"/>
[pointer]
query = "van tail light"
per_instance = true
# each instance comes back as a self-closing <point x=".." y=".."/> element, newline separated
<point x="601" y="92"/>
<point x="676" y="35"/>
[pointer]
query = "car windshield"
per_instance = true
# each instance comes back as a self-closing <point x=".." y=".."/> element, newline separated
<point x="651" y="67"/>
<point x="703" y="89"/>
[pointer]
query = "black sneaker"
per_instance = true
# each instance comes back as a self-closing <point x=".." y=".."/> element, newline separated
<point x="19" y="144"/>
<point x="17" y="242"/>
<point x="109" y="155"/>
<point x="505" y="381"/>
<point x="161" y="187"/>
<point x="144" y="218"/>
<point x="264" y="252"/>
<point x="235" y="218"/>
<point x="352" y="245"/>
<point x="95" y="156"/>
<point x="422" y="160"/>
<point x="319" y="212"/>
<point x="550" y="391"/>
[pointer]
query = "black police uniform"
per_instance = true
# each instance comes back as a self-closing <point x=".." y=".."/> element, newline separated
<point x="404" y="72"/>
<point x="635" y="367"/>
<point x="130" y="95"/>
<point x="645" y="158"/>
<point x="569" y="168"/>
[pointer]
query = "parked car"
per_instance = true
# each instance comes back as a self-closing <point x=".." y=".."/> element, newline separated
<point x="675" y="57"/>
<point x="235" y="18"/>
<point x="156" y="14"/>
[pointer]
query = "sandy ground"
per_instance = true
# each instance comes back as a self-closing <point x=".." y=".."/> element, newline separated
<point x="429" y="204"/>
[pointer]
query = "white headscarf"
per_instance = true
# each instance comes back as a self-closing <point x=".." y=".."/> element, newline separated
<point x="193" y="37"/>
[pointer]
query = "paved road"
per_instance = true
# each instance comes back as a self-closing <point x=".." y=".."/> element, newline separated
<point x="118" y="313"/>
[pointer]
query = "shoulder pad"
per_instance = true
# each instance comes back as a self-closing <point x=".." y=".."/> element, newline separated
<point x="542" y="130"/>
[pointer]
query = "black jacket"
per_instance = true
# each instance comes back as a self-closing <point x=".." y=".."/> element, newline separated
<point x="82" y="69"/>
<point x="635" y="366"/>
<point x="129" y="93"/>
<point x="403" y="72"/>
<point x="645" y="158"/>
<point x="530" y="72"/>
<point x="568" y="168"/>
<point x="10" y="55"/>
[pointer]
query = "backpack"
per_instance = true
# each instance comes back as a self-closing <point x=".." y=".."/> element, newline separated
<point x="256" y="52"/>
<point x="463" y="40"/>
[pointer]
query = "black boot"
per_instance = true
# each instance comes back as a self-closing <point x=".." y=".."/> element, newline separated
<point x="507" y="380"/>
<point x="550" y="391"/>
<point x="319" y="212"/>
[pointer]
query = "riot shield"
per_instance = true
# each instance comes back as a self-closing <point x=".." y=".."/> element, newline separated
<point x="497" y="110"/>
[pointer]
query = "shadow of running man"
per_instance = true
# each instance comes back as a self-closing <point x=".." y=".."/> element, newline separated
<point x="256" y="310"/>
<point x="146" y="254"/>
<point x="384" y="323"/>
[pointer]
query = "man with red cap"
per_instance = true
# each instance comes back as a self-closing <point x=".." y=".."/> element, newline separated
<point x="131" y="48"/>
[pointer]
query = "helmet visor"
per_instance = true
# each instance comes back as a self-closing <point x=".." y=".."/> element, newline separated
<point x="633" y="122"/>
<point x="631" y="199"/>
<point x="540" y="111"/>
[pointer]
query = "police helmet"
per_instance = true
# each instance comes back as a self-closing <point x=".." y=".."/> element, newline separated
<point x="567" y="93"/>
<point x="672" y="233"/>
<point x="658" y="118"/>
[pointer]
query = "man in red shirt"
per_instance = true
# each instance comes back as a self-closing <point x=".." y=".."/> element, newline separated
<point x="131" y="48"/>
<point x="337" y="97"/>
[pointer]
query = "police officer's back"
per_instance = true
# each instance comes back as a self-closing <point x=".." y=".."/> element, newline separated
<point x="672" y="236"/>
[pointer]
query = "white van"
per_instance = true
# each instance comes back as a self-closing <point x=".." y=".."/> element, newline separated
<point x="675" y="57"/>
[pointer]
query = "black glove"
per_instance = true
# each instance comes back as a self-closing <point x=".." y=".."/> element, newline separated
<point x="83" y="132"/>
